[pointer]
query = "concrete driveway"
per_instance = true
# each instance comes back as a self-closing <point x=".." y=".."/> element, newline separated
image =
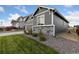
<point x="10" y="33"/>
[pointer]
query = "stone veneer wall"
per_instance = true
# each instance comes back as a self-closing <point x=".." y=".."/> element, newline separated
<point x="44" y="29"/>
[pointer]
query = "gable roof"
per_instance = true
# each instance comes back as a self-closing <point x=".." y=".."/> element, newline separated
<point x="19" y="18"/>
<point x="42" y="7"/>
<point x="55" y="12"/>
<point x="29" y="16"/>
<point x="13" y="21"/>
<point x="25" y="18"/>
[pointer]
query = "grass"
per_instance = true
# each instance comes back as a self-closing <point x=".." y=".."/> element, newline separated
<point x="19" y="44"/>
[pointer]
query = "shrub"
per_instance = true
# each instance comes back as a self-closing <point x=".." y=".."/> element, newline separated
<point x="69" y="31"/>
<point x="26" y="32"/>
<point x="34" y="34"/>
<point x="77" y="31"/>
<point x="42" y="36"/>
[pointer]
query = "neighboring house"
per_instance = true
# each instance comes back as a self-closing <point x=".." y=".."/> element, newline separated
<point x="29" y="22"/>
<point x="77" y="26"/>
<point x="15" y="23"/>
<point x="19" y="23"/>
<point x="48" y="20"/>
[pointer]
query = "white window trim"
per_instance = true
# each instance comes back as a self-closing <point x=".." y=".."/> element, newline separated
<point x="39" y="19"/>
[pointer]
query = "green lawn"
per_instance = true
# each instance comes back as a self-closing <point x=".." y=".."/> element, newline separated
<point x="19" y="44"/>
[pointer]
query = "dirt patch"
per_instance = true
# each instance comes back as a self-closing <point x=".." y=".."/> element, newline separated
<point x="71" y="36"/>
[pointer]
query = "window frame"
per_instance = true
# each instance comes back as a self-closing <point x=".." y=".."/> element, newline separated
<point x="41" y="20"/>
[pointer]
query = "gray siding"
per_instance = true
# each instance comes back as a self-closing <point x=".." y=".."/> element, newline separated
<point x="34" y="21"/>
<point x="60" y="25"/>
<point x="28" y="27"/>
<point x="48" y="19"/>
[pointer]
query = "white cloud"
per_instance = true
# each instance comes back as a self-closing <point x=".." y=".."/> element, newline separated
<point x="73" y="17"/>
<point x="13" y="16"/>
<point x="8" y="21"/>
<point x="22" y="9"/>
<point x="68" y="6"/>
<point x="2" y="9"/>
<point x="5" y="23"/>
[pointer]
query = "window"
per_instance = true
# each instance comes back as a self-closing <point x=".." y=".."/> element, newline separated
<point x="41" y="20"/>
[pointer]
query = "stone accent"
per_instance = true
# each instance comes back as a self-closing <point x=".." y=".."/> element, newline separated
<point x="45" y="29"/>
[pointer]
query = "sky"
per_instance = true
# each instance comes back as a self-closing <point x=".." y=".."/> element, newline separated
<point x="9" y="12"/>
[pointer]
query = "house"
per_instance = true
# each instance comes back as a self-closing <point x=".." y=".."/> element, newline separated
<point x="19" y="22"/>
<point x="29" y="22"/>
<point x="48" y="20"/>
<point x="14" y="23"/>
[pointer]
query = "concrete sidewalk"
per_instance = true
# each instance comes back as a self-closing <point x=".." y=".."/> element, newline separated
<point x="11" y="33"/>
